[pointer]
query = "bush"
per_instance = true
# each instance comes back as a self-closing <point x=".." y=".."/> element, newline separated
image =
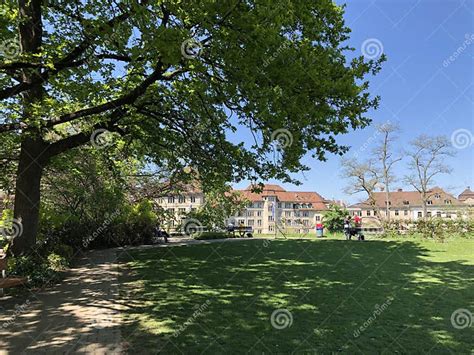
<point x="57" y="262"/>
<point x="211" y="235"/>
<point x="38" y="271"/>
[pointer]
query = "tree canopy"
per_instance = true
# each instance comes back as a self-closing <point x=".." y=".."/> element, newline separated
<point x="174" y="79"/>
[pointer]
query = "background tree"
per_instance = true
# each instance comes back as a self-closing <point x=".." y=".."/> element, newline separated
<point x="383" y="153"/>
<point x="167" y="74"/>
<point x="427" y="159"/>
<point x="363" y="177"/>
<point x="333" y="218"/>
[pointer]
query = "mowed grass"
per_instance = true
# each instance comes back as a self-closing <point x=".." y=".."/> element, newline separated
<point x="342" y="296"/>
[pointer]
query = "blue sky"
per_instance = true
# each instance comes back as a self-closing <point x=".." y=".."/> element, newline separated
<point x="418" y="88"/>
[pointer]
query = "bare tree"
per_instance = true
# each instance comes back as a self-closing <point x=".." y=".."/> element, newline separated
<point x="363" y="177"/>
<point x="427" y="160"/>
<point x="385" y="156"/>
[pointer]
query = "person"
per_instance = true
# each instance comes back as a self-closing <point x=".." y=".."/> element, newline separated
<point x="358" y="227"/>
<point x="347" y="228"/>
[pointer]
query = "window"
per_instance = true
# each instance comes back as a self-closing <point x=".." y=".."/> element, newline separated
<point x="171" y="210"/>
<point x="270" y="218"/>
<point x="428" y="214"/>
<point x="429" y="202"/>
<point x="305" y="214"/>
<point x="405" y="212"/>
<point x="181" y="199"/>
<point x="270" y="228"/>
<point x="171" y="199"/>
<point x="259" y="222"/>
<point x="288" y="205"/>
<point x="397" y="213"/>
<point x="181" y="210"/>
<point x="259" y="213"/>
<point x="259" y="231"/>
<point x="368" y="213"/>
<point x="389" y="203"/>
<point x="241" y="221"/>
<point x="287" y="213"/>
<point x="250" y="222"/>
<point x="438" y="214"/>
<point x="448" y="215"/>
<point x="249" y="213"/>
<point x="406" y="203"/>
<point x="193" y="199"/>
<point x="447" y="202"/>
<point x="318" y="218"/>
<point x="279" y="205"/>
<point x="437" y="196"/>
<point x="420" y="214"/>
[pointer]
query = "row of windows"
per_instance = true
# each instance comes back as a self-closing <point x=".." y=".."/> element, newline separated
<point x="429" y="202"/>
<point x="281" y="205"/>
<point x="180" y="199"/>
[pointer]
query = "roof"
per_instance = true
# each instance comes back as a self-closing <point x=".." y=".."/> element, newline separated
<point x="284" y="196"/>
<point x="404" y="199"/>
<point x="466" y="194"/>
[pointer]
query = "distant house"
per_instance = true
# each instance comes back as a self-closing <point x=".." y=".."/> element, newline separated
<point x="407" y="205"/>
<point x="467" y="196"/>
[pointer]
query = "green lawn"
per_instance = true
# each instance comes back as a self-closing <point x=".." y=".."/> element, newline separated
<point x="347" y="297"/>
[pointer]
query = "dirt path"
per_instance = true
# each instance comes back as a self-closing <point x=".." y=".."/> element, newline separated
<point x="79" y="316"/>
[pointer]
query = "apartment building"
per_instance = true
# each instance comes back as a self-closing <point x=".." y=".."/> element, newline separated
<point x="407" y="205"/>
<point x="271" y="209"/>
<point x="277" y="209"/>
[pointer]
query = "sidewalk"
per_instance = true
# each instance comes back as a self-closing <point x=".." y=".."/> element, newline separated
<point x="78" y="316"/>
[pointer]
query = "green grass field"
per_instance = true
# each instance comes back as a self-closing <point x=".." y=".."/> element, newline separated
<point x="332" y="296"/>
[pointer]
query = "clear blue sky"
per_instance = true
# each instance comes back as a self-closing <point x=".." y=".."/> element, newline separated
<point x="418" y="88"/>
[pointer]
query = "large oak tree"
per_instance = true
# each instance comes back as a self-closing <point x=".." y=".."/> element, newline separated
<point x="178" y="77"/>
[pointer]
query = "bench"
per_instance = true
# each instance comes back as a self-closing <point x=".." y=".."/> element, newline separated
<point x="241" y="230"/>
<point x="8" y="282"/>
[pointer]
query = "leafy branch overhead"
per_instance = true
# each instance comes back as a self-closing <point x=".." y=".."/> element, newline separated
<point x="176" y="80"/>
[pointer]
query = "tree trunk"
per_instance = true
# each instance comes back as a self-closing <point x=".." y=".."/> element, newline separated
<point x="27" y="194"/>
<point x="387" y="202"/>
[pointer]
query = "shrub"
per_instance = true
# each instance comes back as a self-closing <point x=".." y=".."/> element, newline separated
<point x="57" y="262"/>
<point x="38" y="271"/>
<point x="334" y="218"/>
<point x="211" y="235"/>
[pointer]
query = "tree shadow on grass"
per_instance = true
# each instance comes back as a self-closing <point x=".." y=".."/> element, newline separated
<point x="326" y="296"/>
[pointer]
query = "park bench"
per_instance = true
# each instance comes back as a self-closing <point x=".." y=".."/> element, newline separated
<point x="242" y="231"/>
<point x="8" y="282"/>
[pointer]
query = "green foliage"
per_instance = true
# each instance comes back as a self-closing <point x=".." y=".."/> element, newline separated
<point x="57" y="262"/>
<point x="219" y="205"/>
<point x="334" y="218"/>
<point x="39" y="271"/>
<point x="211" y="235"/>
<point x="442" y="229"/>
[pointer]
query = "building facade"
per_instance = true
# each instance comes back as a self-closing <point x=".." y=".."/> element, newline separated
<point x="273" y="209"/>
<point x="407" y="206"/>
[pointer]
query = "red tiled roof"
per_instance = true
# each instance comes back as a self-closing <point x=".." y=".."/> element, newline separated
<point x="285" y="196"/>
<point x="399" y="199"/>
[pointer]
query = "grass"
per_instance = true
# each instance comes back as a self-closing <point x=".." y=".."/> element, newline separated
<point x="343" y="297"/>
